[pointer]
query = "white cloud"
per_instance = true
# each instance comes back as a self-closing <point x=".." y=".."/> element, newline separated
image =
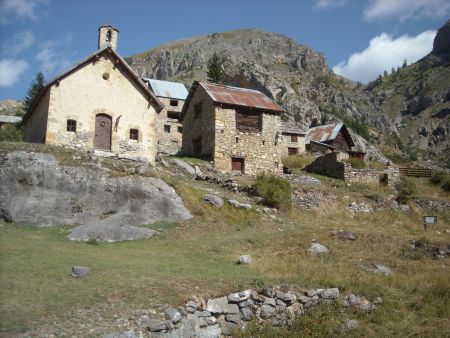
<point x="321" y="4"/>
<point x="24" y="9"/>
<point x="383" y="53"/>
<point x="52" y="57"/>
<point x="11" y="70"/>
<point x="405" y="9"/>
<point x="18" y="43"/>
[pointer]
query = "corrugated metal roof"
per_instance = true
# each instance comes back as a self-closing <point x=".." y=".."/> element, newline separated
<point x="324" y="133"/>
<point x="239" y="96"/>
<point x="291" y="128"/>
<point x="10" y="119"/>
<point x="171" y="90"/>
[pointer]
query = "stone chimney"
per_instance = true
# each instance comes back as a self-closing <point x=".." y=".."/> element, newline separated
<point x="107" y="37"/>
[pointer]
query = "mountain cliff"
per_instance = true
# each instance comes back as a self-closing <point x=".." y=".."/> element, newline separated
<point x="298" y="78"/>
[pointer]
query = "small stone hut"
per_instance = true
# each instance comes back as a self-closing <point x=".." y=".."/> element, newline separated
<point x="99" y="104"/>
<point x="236" y="128"/>
<point x="169" y="128"/>
<point x="292" y="140"/>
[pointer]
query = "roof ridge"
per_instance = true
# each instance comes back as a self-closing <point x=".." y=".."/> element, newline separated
<point x="232" y="87"/>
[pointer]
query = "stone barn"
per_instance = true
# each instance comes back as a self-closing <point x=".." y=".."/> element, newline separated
<point x="236" y="128"/>
<point x="292" y="139"/>
<point x="169" y="128"/>
<point x="99" y="104"/>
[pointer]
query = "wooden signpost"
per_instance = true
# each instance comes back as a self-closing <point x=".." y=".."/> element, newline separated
<point x="429" y="220"/>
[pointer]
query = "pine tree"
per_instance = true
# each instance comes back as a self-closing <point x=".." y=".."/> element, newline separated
<point x="385" y="73"/>
<point x="216" y="71"/>
<point x="35" y="87"/>
<point x="404" y="64"/>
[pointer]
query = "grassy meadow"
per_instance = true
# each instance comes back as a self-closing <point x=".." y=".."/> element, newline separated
<point x="198" y="257"/>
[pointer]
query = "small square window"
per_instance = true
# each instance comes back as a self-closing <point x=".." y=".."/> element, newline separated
<point x="180" y="129"/>
<point x="71" y="125"/>
<point x="198" y="110"/>
<point x="174" y="103"/>
<point x="166" y="128"/>
<point x="134" y="134"/>
<point x="173" y="115"/>
<point x="294" y="138"/>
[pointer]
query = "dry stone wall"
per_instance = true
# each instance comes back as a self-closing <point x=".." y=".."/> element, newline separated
<point x="169" y="129"/>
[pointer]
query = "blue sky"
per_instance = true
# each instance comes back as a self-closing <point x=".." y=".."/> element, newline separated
<point x="359" y="38"/>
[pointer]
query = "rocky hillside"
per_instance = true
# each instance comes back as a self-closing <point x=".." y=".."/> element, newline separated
<point x="11" y="107"/>
<point x="299" y="78"/>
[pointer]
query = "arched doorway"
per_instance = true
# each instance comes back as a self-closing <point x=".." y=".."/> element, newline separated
<point x="102" y="137"/>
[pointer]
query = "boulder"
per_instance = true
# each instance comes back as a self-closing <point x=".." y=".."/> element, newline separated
<point x="317" y="248"/>
<point x="213" y="200"/>
<point x="35" y="190"/>
<point x="80" y="271"/>
<point x="245" y="259"/>
<point x="220" y="305"/>
<point x="183" y="166"/>
<point x="240" y="205"/>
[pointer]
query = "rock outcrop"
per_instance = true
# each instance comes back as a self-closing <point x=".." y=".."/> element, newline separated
<point x="35" y="190"/>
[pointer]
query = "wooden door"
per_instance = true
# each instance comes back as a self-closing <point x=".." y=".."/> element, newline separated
<point x="237" y="164"/>
<point x="197" y="146"/>
<point x="102" y="137"/>
<point x="292" y="151"/>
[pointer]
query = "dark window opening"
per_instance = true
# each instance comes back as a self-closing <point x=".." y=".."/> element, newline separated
<point x="174" y="103"/>
<point x="134" y="134"/>
<point x="197" y="146"/>
<point x="166" y="128"/>
<point x="198" y="111"/>
<point x="292" y="151"/>
<point x="237" y="164"/>
<point x="180" y="129"/>
<point x="71" y="125"/>
<point x="263" y="142"/>
<point x="109" y="36"/>
<point x="237" y="139"/>
<point x="294" y="138"/>
<point x="248" y="121"/>
<point x="173" y="115"/>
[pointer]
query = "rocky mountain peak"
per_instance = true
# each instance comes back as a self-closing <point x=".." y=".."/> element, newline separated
<point x="441" y="44"/>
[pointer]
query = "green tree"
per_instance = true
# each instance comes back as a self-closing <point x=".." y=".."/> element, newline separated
<point x="385" y="73"/>
<point x="404" y="63"/>
<point x="35" y="87"/>
<point x="216" y="69"/>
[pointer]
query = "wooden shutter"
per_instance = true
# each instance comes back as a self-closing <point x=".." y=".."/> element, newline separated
<point x="248" y="121"/>
<point x="237" y="164"/>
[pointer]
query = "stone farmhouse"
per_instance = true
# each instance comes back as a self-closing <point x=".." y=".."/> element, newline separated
<point x="99" y="104"/>
<point x="168" y="128"/>
<point x="331" y="138"/>
<point x="292" y="140"/>
<point x="236" y="128"/>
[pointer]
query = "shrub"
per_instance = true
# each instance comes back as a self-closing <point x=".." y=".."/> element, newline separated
<point x="439" y="177"/>
<point x="406" y="190"/>
<point x="446" y="184"/>
<point x="10" y="133"/>
<point x="297" y="161"/>
<point x="356" y="163"/>
<point x="275" y="190"/>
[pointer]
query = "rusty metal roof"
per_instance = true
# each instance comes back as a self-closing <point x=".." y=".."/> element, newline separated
<point x="239" y="96"/>
<point x="167" y="89"/>
<point x="327" y="132"/>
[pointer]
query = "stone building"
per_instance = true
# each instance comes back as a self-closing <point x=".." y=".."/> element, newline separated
<point x="292" y="139"/>
<point x="169" y="128"/>
<point x="99" y="104"/>
<point x="236" y="128"/>
<point x="332" y="137"/>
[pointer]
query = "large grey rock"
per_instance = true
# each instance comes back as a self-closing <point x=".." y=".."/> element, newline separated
<point x="317" y="248"/>
<point x="183" y="166"/>
<point x="239" y="205"/>
<point x="35" y="190"/>
<point x="80" y="271"/>
<point x="220" y="305"/>
<point x="213" y="200"/>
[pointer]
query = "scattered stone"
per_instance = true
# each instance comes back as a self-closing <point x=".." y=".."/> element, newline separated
<point x="308" y="180"/>
<point x="329" y="293"/>
<point x="154" y="325"/>
<point x="287" y="297"/>
<point x="245" y="259"/>
<point x="304" y="299"/>
<point x="183" y="166"/>
<point x="379" y="268"/>
<point x="359" y="208"/>
<point x="377" y="301"/>
<point x="311" y="293"/>
<point x="404" y="208"/>
<point x="354" y="299"/>
<point x="239" y="297"/>
<point x="213" y="200"/>
<point x="79" y="271"/>
<point x="267" y="311"/>
<point x="341" y="234"/>
<point x="173" y="315"/>
<point x="317" y="248"/>
<point x="352" y="324"/>
<point x="220" y="305"/>
<point x="191" y="306"/>
<point x="240" y="205"/>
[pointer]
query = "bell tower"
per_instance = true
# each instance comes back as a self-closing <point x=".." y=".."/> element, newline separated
<point x="107" y="37"/>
